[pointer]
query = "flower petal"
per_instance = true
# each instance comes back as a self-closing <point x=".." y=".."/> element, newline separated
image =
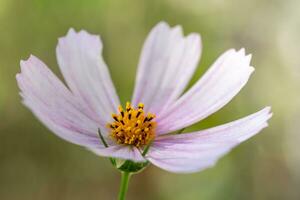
<point x="167" y="63"/>
<point x="120" y="151"/>
<point x="47" y="97"/>
<point x="216" y="88"/>
<point x="192" y="152"/>
<point x="63" y="113"/>
<point x="81" y="63"/>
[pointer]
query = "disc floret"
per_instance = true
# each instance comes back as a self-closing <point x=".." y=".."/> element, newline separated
<point x="132" y="126"/>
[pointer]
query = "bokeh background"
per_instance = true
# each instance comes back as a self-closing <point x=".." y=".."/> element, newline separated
<point x="35" y="164"/>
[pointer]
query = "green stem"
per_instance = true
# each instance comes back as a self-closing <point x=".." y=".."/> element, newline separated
<point x="124" y="185"/>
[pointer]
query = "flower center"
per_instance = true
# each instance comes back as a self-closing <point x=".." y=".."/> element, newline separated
<point x="132" y="126"/>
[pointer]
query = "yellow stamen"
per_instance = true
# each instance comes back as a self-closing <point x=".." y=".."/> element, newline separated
<point x="132" y="126"/>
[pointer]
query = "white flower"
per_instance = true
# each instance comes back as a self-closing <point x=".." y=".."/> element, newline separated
<point x="167" y="63"/>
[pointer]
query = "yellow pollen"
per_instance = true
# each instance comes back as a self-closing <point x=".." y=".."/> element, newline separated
<point x="132" y="126"/>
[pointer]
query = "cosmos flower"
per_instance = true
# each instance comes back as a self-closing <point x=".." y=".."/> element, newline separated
<point x="148" y="129"/>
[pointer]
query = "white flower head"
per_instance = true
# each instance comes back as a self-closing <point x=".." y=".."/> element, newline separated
<point x="168" y="60"/>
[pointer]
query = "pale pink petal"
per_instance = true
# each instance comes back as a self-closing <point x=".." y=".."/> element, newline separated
<point x="192" y="152"/>
<point x="81" y="63"/>
<point x="167" y="63"/>
<point x="63" y="113"/>
<point x="120" y="151"/>
<point x="47" y="97"/>
<point x="217" y="87"/>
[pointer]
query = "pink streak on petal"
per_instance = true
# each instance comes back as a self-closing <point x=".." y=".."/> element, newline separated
<point x="63" y="113"/>
<point x="47" y="97"/>
<point x="81" y="63"/>
<point x="167" y="63"/>
<point x="216" y="88"/>
<point x="192" y="152"/>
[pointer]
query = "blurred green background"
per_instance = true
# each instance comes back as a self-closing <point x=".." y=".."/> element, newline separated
<point x="35" y="164"/>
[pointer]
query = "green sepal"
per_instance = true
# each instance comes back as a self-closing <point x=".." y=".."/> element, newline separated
<point x="133" y="167"/>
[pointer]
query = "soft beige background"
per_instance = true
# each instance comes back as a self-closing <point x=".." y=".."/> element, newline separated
<point x="35" y="164"/>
